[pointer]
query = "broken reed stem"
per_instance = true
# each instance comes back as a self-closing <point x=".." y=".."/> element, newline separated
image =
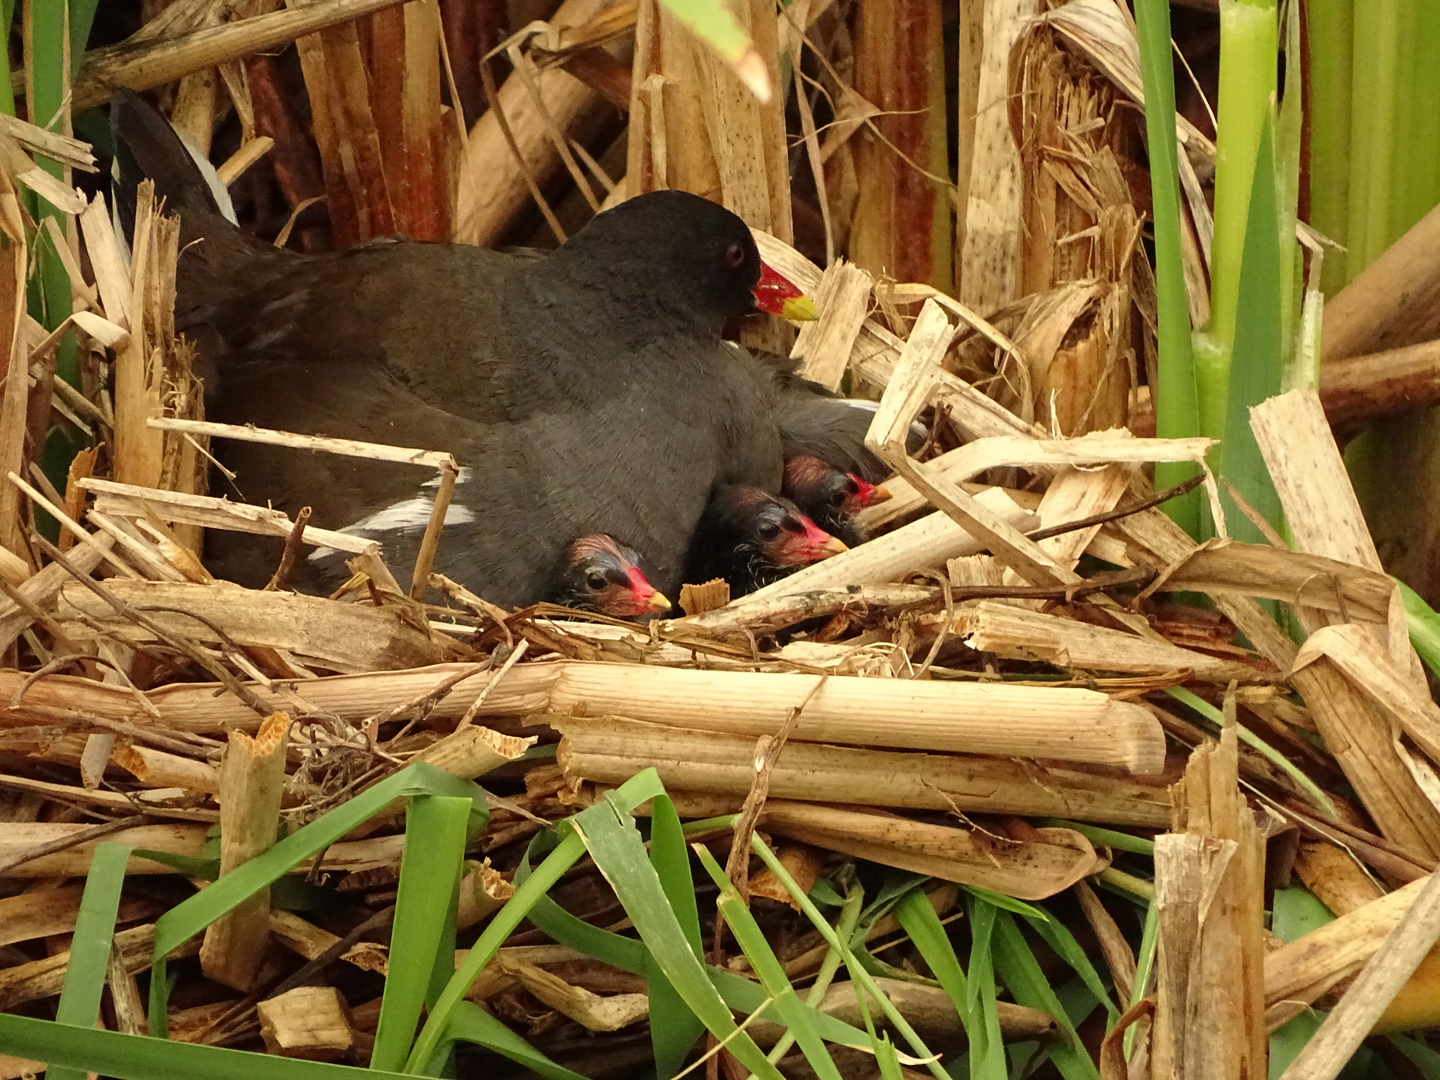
<point x="291" y="552"/>
<point x="404" y="455"/>
<point x="449" y="473"/>
<point x="252" y="779"/>
<point x="1384" y="974"/>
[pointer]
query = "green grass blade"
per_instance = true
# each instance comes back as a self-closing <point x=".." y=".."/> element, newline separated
<point x="1059" y="938"/>
<point x="1329" y="33"/>
<point x="1176" y="407"/>
<point x="1114" y="838"/>
<point x="858" y="974"/>
<point x="1256" y="370"/>
<point x="502" y="924"/>
<point x="472" y="1024"/>
<point x="139" y="1057"/>
<point x="1007" y="903"/>
<point x="982" y="1018"/>
<point x="190" y="917"/>
<point x="674" y="1028"/>
<point x="424" y="911"/>
<point x="1423" y="624"/>
<point x="614" y="843"/>
<point x="918" y="919"/>
<point x="90" y="945"/>
<point x="1144" y="963"/>
<point x="1374" y="140"/>
<point x="769" y="970"/>
<point x="1019" y="970"/>
<point x="716" y="26"/>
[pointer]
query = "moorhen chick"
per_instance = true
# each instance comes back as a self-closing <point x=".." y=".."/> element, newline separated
<point x="752" y="538"/>
<point x="829" y="496"/>
<point x="589" y="391"/>
<point x="601" y="574"/>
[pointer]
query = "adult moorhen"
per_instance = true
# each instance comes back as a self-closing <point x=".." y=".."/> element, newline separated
<point x="588" y="391"/>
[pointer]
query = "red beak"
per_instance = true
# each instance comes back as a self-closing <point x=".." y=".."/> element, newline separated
<point x="779" y="296"/>
<point x="865" y="494"/>
<point x="644" y="598"/>
<point x="810" y="546"/>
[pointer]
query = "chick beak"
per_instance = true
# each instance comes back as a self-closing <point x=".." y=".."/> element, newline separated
<point x="658" y="602"/>
<point x="833" y="546"/>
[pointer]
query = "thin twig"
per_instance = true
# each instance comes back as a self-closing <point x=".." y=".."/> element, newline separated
<point x="84" y="836"/>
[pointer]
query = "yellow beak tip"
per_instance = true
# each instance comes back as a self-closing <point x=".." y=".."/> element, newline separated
<point x="880" y="495"/>
<point x="835" y="545"/>
<point x="659" y="602"/>
<point x="800" y="309"/>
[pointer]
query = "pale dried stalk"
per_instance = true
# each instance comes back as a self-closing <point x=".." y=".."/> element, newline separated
<point x="825" y="345"/>
<point x="1395" y="301"/>
<point x="44" y="978"/>
<point x="591" y="1011"/>
<point x="1016" y="633"/>
<point x="308" y="1022"/>
<point x="252" y="779"/>
<point x="1209" y="887"/>
<point x="1026" y="721"/>
<point x="40" y="590"/>
<point x="340" y="637"/>
<point x="1052" y="860"/>
<point x="1384" y="974"/>
<point x="155" y="768"/>
<point x="308" y="940"/>
<point x="173" y="57"/>
<point x="128" y="500"/>
<point x="434" y="459"/>
<point x="18" y="837"/>
<point x="610" y="750"/>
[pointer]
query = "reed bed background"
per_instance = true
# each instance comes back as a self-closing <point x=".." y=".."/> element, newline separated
<point x="1113" y="753"/>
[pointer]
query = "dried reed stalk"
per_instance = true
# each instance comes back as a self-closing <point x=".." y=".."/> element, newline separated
<point x="610" y="750"/>
<point x="1029" y="721"/>
<point x="1209" y="887"/>
<point x="157" y="769"/>
<point x="995" y="626"/>
<point x="1032" y="869"/>
<point x="1325" y="519"/>
<point x="172" y="57"/>
<point x="901" y="226"/>
<point x="493" y="186"/>
<point x="337" y="637"/>
<point x="252" y="779"/>
<point x="19" y="837"/>
<point x="309" y="1022"/>
<point x="825" y="345"/>
<point x="990" y="248"/>
<point x="15" y="400"/>
<point x="39" y="979"/>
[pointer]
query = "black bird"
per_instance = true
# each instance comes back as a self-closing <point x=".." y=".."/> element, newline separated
<point x="587" y="391"/>
<point x="752" y="538"/>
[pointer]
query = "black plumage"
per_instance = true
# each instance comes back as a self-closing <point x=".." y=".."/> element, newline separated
<point x="752" y="538"/>
<point x="586" y="392"/>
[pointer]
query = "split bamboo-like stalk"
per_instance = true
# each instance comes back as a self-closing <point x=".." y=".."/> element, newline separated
<point x="492" y="185"/>
<point x="1016" y="633"/>
<point x="977" y="718"/>
<point x="610" y="750"/>
<point x="252" y="779"/>
<point x="902" y="216"/>
<point x="1209" y="888"/>
<point x="1050" y="861"/>
<point x="309" y="1022"/>
<point x="157" y="769"/>
<point x="338" y="637"/>
<point x="15" y="399"/>
<point x="39" y="979"/>
<point x="1325" y="519"/>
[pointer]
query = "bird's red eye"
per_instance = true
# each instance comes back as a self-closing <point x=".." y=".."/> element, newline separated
<point x="735" y="254"/>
